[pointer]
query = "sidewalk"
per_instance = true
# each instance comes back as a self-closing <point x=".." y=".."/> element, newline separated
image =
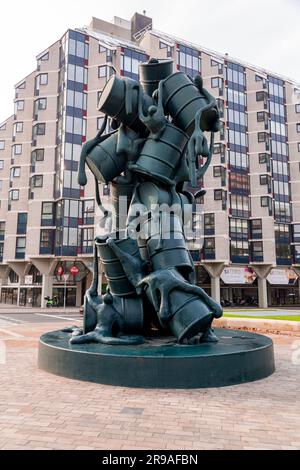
<point x="43" y="411"/>
<point x="18" y="309"/>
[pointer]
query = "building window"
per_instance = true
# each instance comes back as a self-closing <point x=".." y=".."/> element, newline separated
<point x="298" y="127"/>
<point x="296" y="233"/>
<point x="41" y="79"/>
<point x="19" y="105"/>
<point x="16" y="149"/>
<point x="188" y="60"/>
<point x="282" y="243"/>
<point x="218" y="194"/>
<point x="88" y="212"/>
<point x="14" y="195"/>
<point x="44" y="57"/>
<point x="260" y="96"/>
<point x="256" y="228"/>
<point x="15" y="172"/>
<point x="22" y="86"/>
<point x="258" y="78"/>
<point x="261" y="116"/>
<point x="209" y="248"/>
<point x="263" y="158"/>
<point x="39" y="129"/>
<point x="105" y="71"/>
<point x="298" y="145"/>
<point x="75" y="125"/>
<point x="262" y="137"/>
<point x="102" y="49"/>
<point x="87" y="240"/>
<point x="217" y="171"/>
<point x="257" y="252"/>
<point x="37" y="155"/>
<point x="47" y="241"/>
<point x="1" y="164"/>
<point x="22" y="223"/>
<point x="264" y="179"/>
<point x="20" y="247"/>
<point x="2" y="230"/>
<point x="13" y="277"/>
<point x="209" y="224"/>
<point x="297" y="108"/>
<point x="264" y="201"/>
<point x="37" y="181"/>
<point x="130" y="61"/>
<point x="217" y="148"/>
<point x="2" y="144"/>
<point x="216" y="82"/>
<point x="40" y="105"/>
<point x="3" y="127"/>
<point x="48" y="215"/>
<point x="18" y="127"/>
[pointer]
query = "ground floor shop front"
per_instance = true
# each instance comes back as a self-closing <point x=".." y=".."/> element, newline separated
<point x="65" y="281"/>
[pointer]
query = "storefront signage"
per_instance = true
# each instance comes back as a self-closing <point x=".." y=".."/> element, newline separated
<point x="74" y="270"/>
<point x="237" y="275"/>
<point x="28" y="280"/>
<point x="282" y="277"/>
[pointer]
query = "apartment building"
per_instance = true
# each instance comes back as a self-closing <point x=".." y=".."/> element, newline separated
<point x="251" y="251"/>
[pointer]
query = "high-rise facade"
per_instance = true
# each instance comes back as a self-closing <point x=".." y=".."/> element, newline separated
<point x="251" y="251"/>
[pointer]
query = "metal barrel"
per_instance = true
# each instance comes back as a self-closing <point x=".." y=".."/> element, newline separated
<point x="131" y="311"/>
<point x="152" y="72"/>
<point x="121" y="195"/>
<point x="166" y="245"/>
<point x="117" y="280"/>
<point x="104" y="162"/>
<point x="116" y="93"/>
<point x="182" y="99"/>
<point x="160" y="158"/>
<point x="190" y="315"/>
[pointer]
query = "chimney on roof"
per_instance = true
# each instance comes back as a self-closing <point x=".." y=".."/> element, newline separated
<point x="140" y="24"/>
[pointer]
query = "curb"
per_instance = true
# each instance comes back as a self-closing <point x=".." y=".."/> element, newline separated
<point x="256" y="324"/>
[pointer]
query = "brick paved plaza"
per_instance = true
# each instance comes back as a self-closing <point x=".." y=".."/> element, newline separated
<point x="43" y="411"/>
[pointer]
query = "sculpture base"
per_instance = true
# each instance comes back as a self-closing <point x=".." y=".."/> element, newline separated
<point x="160" y="362"/>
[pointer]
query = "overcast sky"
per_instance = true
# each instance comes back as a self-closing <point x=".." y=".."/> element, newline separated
<point x="262" y="32"/>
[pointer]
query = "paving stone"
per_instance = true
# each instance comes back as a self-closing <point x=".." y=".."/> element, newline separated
<point x="40" y="410"/>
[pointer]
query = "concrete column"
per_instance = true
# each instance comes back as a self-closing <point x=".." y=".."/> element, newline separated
<point x="46" y="288"/>
<point x="215" y="288"/>
<point x="18" y="295"/>
<point x="78" y="293"/>
<point x="262" y="271"/>
<point x="262" y="292"/>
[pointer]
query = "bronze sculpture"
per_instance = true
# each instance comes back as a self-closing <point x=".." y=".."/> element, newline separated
<point x="152" y="150"/>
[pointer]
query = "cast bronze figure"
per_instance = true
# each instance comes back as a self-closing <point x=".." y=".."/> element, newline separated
<point x="151" y="153"/>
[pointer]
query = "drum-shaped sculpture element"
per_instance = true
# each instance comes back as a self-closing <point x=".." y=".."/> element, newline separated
<point x="182" y="99"/>
<point x="120" y="100"/>
<point x="161" y="157"/>
<point x="104" y="161"/>
<point x="164" y="239"/>
<point x="152" y="72"/>
<point x="118" y="282"/>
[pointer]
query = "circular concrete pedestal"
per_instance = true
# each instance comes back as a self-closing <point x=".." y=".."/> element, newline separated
<point x="238" y="357"/>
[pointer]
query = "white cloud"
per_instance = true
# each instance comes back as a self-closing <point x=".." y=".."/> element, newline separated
<point x="262" y="32"/>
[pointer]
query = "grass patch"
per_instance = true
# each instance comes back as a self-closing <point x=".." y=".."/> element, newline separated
<point x="273" y="317"/>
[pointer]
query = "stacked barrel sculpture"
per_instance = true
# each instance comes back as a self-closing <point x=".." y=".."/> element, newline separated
<point x="156" y="146"/>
